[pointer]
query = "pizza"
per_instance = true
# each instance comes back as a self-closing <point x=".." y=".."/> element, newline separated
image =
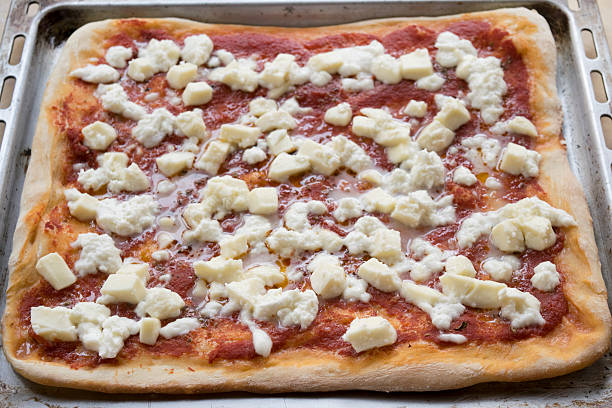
<point x="384" y="205"/>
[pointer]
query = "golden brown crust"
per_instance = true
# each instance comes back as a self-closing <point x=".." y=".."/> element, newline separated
<point x="582" y="337"/>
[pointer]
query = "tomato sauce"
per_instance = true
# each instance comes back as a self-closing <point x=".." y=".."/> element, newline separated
<point x="228" y="338"/>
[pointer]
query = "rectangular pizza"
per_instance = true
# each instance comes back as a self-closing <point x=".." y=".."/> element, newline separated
<point x="383" y="205"/>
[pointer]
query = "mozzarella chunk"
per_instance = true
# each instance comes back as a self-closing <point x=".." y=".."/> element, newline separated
<point x="96" y="74"/>
<point x="545" y="277"/>
<point x="180" y="75"/>
<point x="239" y="75"/>
<point x="416" y="64"/>
<point x="347" y="61"/>
<point x="521" y="308"/>
<point x="518" y="160"/>
<point x="173" y="163"/>
<point x="197" y="49"/>
<point x="462" y="175"/>
<point x="348" y="208"/>
<point x="441" y="309"/>
<point x="113" y="171"/>
<point x="191" y="124"/>
<point x="370" y="332"/>
<point x="453" y="113"/>
<point x="281" y="74"/>
<point x="452" y="50"/>
<point x="98" y="253"/>
<point x="124" y="287"/>
<point x="254" y="155"/>
<point x="115" y="100"/>
<point x="260" y="106"/>
<point x="371" y="176"/>
<point x="322" y="158"/>
<point x="263" y="200"/>
<point x="197" y="93"/>
<point x="379" y="275"/>
<point x="481" y="146"/>
<point x="363" y="82"/>
<point x="431" y="83"/>
<point x="538" y="232"/>
<point x="117" y="56"/>
<point x="233" y="246"/>
<point x="508" y="237"/>
<point x="501" y="269"/>
<point x="471" y="291"/>
<point x="327" y="278"/>
<point x="386" y="69"/>
<point x="518" y="124"/>
<point x="127" y="218"/>
<point x="140" y="270"/>
<point x="98" y="135"/>
<point x="179" y="327"/>
<point x="381" y="126"/>
<point x="290" y="308"/>
<point x="339" y="115"/>
<point x="141" y="69"/>
<point x="81" y="206"/>
<point x="243" y="136"/>
<point x="431" y="260"/>
<point x="285" y="166"/>
<point x="215" y="154"/>
<point x="427" y="171"/>
<point x="417" y="109"/>
<point x="54" y="269"/>
<point x="460" y="265"/>
<point x="162" y="54"/>
<point x="219" y="269"/>
<point x="53" y="324"/>
<point x="351" y="155"/>
<point x="356" y="290"/>
<point x="378" y="200"/>
<point x="435" y="137"/>
<point x="154" y="127"/>
<point x="160" y="303"/>
<point x="149" y="330"/>
<point x="269" y="274"/>
<point x="278" y="119"/>
<point x="279" y="142"/>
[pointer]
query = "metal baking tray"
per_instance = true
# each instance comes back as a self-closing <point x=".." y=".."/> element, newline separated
<point x="45" y="33"/>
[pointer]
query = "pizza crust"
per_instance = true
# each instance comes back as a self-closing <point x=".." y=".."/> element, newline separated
<point x="581" y="338"/>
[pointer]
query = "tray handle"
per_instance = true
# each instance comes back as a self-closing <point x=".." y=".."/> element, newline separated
<point x="588" y="18"/>
<point x="21" y="13"/>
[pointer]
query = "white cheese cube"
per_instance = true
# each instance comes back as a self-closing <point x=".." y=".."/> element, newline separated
<point x="180" y="75"/>
<point x="285" y="166"/>
<point x="462" y="175"/>
<point x="431" y="82"/>
<point x="53" y="324"/>
<point x="160" y="303"/>
<point x="246" y="291"/>
<point x="386" y="69"/>
<point x="379" y="275"/>
<point x="501" y="268"/>
<point x="219" y="270"/>
<point x="233" y="246"/>
<point x="279" y="119"/>
<point x="388" y="245"/>
<point x="417" y="109"/>
<point x="371" y="176"/>
<point x="191" y="124"/>
<point x="435" y="137"/>
<point x="280" y="142"/>
<point x="260" y="106"/>
<point x="53" y="268"/>
<point x="522" y="126"/>
<point x="124" y="287"/>
<point x="149" y="330"/>
<point x="517" y="159"/>
<point x="197" y="49"/>
<point x="98" y="135"/>
<point x="197" y="93"/>
<point x="453" y="114"/>
<point x="538" y="232"/>
<point x="328" y="279"/>
<point x="508" y="237"/>
<point x="141" y="270"/>
<point x="402" y="151"/>
<point x="416" y="64"/>
<point x="460" y="265"/>
<point x="378" y="200"/>
<point x="213" y="157"/>
<point x="141" y="69"/>
<point x="545" y="277"/>
<point x="339" y="115"/>
<point x="410" y="209"/>
<point x="243" y="136"/>
<point x="269" y="274"/>
<point x="521" y="308"/>
<point x="83" y="207"/>
<point x="173" y="163"/>
<point x="322" y="158"/>
<point x="420" y="294"/>
<point x="263" y="200"/>
<point x="472" y="292"/>
<point x="370" y="332"/>
<point x="365" y="127"/>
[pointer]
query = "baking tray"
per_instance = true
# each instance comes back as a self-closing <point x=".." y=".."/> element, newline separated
<point x="45" y="33"/>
